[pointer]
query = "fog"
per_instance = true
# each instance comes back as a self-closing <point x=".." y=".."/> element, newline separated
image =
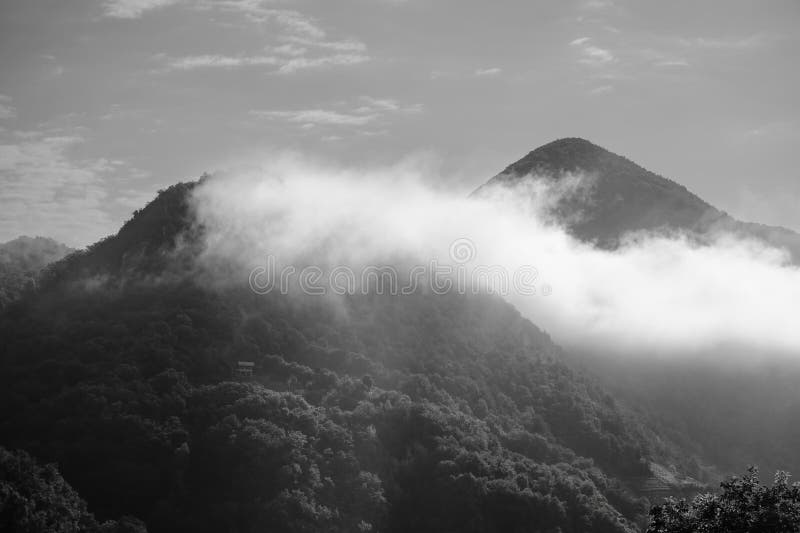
<point x="655" y="295"/>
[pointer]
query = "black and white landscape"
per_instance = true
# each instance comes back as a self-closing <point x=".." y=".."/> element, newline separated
<point x="399" y="266"/>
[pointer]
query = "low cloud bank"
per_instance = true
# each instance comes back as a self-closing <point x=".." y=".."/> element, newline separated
<point x="654" y="295"/>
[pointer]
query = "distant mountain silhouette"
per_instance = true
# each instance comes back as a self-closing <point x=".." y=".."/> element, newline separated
<point x="623" y="197"/>
<point x="32" y="253"/>
<point x="21" y="261"/>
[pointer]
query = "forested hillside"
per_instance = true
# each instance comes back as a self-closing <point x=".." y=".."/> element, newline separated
<point x="369" y="413"/>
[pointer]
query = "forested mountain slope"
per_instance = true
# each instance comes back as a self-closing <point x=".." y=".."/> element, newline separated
<point x="618" y="197"/>
<point x="420" y="412"/>
<point x="735" y="405"/>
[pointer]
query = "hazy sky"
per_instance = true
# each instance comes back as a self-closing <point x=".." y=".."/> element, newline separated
<point x="104" y="102"/>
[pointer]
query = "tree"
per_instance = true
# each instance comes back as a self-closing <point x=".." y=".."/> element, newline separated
<point x="745" y="505"/>
<point x="35" y="498"/>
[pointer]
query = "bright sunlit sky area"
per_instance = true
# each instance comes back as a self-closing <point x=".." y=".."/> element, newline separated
<point x="102" y="103"/>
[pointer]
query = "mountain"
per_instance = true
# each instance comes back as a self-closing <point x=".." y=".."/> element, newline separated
<point x="422" y="412"/>
<point x="731" y="412"/>
<point x="22" y="260"/>
<point x="619" y="197"/>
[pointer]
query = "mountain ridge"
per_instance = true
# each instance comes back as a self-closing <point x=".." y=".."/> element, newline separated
<point x="626" y="198"/>
<point x="22" y="261"/>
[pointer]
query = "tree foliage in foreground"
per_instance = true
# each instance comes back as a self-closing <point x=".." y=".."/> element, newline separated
<point x="35" y="498"/>
<point x="745" y="505"/>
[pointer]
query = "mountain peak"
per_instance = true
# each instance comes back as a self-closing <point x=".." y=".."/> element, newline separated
<point x="572" y="143"/>
<point x="569" y="154"/>
<point x="624" y="197"/>
<point x="32" y="253"/>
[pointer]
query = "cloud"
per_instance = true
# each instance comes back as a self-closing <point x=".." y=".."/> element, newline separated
<point x="297" y="24"/>
<point x="494" y="71"/>
<point x="287" y="64"/>
<point x="753" y="41"/>
<point x="596" y="56"/>
<point x="299" y="44"/>
<point x="382" y="105"/>
<point x="347" y="45"/>
<point x="603" y="89"/>
<point x="48" y="192"/>
<point x="597" y="5"/>
<point x="131" y="9"/>
<point x="304" y="63"/>
<point x="592" y="55"/>
<point x="220" y="61"/>
<point x="364" y="111"/>
<point x="672" y="63"/>
<point x="654" y="295"/>
<point x="318" y="117"/>
<point x="7" y="110"/>
<point x="630" y="59"/>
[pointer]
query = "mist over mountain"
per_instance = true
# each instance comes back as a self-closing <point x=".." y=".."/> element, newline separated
<point x="424" y="410"/>
<point x="738" y="402"/>
<point x="21" y="262"/>
<point x="617" y="197"/>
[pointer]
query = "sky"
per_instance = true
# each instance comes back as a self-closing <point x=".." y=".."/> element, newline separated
<point x="104" y="102"/>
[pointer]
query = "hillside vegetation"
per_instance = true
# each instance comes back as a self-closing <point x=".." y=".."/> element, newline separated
<point x="416" y="413"/>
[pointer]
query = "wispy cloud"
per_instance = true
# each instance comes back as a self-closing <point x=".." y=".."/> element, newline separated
<point x="366" y="110"/>
<point x="304" y="63"/>
<point x="596" y="56"/>
<point x="627" y="58"/>
<point x="597" y="4"/>
<point x="48" y="191"/>
<point x="219" y="61"/>
<point x="591" y="54"/>
<point x="284" y="64"/>
<point x="131" y="9"/>
<point x="744" y="43"/>
<point x="493" y="71"/>
<point x="386" y="105"/>
<point x="295" y="26"/>
<point x="602" y="89"/>
<point x="6" y="109"/>
<point x="345" y="45"/>
<point x="300" y="43"/>
<point x="316" y="117"/>
<point x="671" y="63"/>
